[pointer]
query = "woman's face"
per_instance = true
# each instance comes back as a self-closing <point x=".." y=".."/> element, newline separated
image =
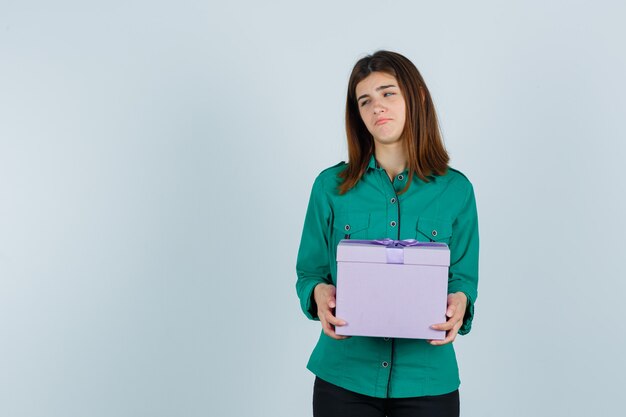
<point x="382" y="107"/>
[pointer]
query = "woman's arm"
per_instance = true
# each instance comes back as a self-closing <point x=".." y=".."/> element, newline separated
<point x="314" y="284"/>
<point x="463" y="273"/>
<point x="312" y="264"/>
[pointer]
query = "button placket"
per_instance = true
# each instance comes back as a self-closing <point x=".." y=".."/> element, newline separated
<point x="393" y="223"/>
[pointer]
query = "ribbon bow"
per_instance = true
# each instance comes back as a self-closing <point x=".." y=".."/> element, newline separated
<point x="395" y="248"/>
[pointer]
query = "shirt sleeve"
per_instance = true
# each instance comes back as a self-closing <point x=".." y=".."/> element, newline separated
<point x="312" y="265"/>
<point x="463" y="274"/>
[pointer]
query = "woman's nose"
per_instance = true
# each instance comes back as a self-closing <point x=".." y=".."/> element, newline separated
<point x="378" y="108"/>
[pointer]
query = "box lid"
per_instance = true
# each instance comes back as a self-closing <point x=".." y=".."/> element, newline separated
<point x="393" y="251"/>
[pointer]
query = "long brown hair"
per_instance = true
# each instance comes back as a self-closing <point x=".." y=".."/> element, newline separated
<point x="421" y="137"/>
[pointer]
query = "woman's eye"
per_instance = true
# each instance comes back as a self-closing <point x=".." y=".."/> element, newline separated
<point x="389" y="93"/>
<point x="364" y="102"/>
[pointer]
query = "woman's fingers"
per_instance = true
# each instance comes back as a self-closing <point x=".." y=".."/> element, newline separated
<point x="328" y="325"/>
<point x="336" y="321"/>
<point x="450" y="336"/>
<point x="452" y="326"/>
<point x="328" y="320"/>
<point x="451" y="310"/>
<point x="448" y="325"/>
<point x="443" y="326"/>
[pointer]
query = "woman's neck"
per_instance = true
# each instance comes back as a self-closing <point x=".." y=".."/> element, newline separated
<point x="391" y="158"/>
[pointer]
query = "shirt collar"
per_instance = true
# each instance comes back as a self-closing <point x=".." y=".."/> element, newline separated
<point x="373" y="164"/>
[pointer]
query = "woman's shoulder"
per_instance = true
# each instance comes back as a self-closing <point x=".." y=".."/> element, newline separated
<point x="455" y="174"/>
<point x="331" y="173"/>
<point x="333" y="170"/>
<point x="456" y="178"/>
<point x="328" y="179"/>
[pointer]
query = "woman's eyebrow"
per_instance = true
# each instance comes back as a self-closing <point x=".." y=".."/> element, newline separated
<point x="382" y="87"/>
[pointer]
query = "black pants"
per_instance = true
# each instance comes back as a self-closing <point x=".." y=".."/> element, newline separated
<point x="330" y="400"/>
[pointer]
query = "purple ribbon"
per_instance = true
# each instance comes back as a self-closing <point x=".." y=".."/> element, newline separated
<point x="395" y="248"/>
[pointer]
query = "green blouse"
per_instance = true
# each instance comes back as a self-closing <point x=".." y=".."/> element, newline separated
<point x="441" y="210"/>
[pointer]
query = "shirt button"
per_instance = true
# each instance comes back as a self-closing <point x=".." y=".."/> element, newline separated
<point x="393" y="223"/>
<point x="434" y="233"/>
<point x="347" y="227"/>
<point x="393" y="200"/>
<point x="400" y="177"/>
<point x="385" y="364"/>
<point x="385" y="338"/>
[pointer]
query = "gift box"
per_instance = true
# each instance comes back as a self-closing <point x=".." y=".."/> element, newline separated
<point x="392" y="288"/>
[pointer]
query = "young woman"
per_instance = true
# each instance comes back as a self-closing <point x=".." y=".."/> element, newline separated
<point x="397" y="184"/>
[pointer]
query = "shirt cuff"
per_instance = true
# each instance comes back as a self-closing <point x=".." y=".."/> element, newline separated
<point x="469" y="311"/>
<point x="469" y="316"/>
<point x="308" y="304"/>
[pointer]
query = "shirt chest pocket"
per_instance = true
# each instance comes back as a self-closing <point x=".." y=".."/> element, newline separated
<point x="433" y="230"/>
<point x="352" y="226"/>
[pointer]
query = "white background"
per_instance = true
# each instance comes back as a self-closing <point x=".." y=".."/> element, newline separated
<point x="156" y="161"/>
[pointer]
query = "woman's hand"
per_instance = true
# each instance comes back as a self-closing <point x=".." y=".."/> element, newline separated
<point x="457" y="303"/>
<point x="324" y="295"/>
